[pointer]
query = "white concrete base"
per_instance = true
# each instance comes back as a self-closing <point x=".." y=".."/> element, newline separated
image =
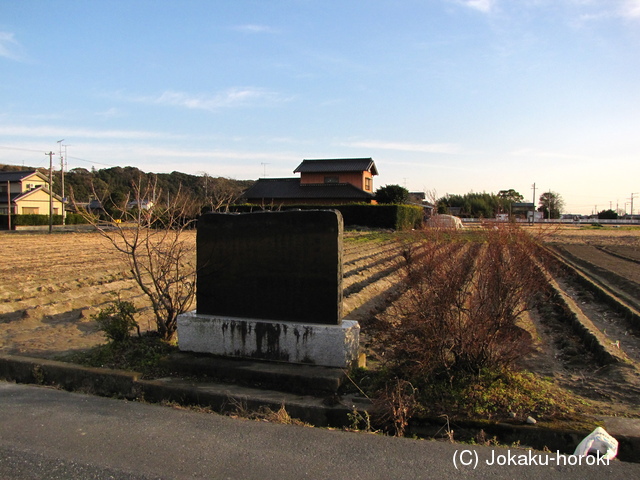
<point x="316" y="344"/>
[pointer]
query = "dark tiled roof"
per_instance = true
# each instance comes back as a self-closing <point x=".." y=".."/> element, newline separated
<point x="17" y="176"/>
<point x="290" y="188"/>
<point x="337" y="165"/>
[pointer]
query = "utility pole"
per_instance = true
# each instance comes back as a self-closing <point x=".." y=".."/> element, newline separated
<point x="61" y="175"/>
<point x="533" y="219"/>
<point x="50" y="154"/>
<point x="9" y="204"/>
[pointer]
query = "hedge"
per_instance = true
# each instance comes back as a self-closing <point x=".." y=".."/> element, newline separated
<point x="33" y="219"/>
<point x="397" y="217"/>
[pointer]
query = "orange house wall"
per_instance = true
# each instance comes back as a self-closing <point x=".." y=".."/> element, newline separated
<point x="356" y="179"/>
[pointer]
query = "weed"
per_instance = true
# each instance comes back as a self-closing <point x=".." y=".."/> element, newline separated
<point x="117" y="320"/>
<point x="359" y="422"/>
<point x="38" y="374"/>
<point x="142" y="354"/>
<point x="395" y="405"/>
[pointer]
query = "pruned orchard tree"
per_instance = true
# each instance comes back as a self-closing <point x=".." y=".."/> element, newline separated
<point x="148" y="228"/>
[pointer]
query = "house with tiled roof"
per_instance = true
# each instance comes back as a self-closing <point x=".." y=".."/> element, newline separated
<point x="322" y="182"/>
<point x="27" y="192"/>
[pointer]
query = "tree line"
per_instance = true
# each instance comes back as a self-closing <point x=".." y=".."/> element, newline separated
<point x="488" y="205"/>
<point x="118" y="183"/>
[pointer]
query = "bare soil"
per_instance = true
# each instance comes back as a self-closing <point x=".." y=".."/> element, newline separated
<point x="611" y="256"/>
<point x="53" y="284"/>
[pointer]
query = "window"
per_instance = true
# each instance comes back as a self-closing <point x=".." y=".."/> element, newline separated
<point x="367" y="184"/>
<point x="30" y="210"/>
<point x="332" y="179"/>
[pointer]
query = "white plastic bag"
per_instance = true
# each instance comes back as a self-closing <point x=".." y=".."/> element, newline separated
<point x="598" y="441"/>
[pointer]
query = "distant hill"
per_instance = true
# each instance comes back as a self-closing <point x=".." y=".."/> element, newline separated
<point x="117" y="182"/>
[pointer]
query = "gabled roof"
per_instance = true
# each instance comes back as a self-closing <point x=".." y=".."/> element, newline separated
<point x="20" y="175"/>
<point x="337" y="165"/>
<point x="23" y="195"/>
<point x="285" y="188"/>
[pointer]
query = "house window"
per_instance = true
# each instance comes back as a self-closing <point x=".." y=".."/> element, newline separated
<point x="367" y="184"/>
<point x="3" y="189"/>
<point x="30" y="210"/>
<point x="4" y="211"/>
<point x="332" y="179"/>
<point x="30" y="186"/>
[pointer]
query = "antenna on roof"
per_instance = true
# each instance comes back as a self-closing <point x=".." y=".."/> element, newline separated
<point x="264" y="169"/>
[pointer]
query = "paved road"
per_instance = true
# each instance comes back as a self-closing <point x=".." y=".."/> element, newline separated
<point x="47" y="434"/>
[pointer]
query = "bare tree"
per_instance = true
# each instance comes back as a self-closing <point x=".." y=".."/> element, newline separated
<point x="220" y="193"/>
<point x="151" y="237"/>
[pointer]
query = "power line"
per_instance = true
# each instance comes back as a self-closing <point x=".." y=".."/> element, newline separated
<point x="92" y="161"/>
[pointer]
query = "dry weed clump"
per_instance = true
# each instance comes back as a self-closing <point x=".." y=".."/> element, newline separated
<point x="458" y="317"/>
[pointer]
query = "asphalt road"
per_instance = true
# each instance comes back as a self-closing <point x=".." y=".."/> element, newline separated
<point x="52" y="434"/>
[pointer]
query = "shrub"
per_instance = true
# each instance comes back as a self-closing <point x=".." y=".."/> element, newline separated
<point x="117" y="320"/>
<point x="458" y="315"/>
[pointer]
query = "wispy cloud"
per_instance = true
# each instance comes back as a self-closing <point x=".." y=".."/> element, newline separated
<point x="484" y="6"/>
<point x="607" y="9"/>
<point x="534" y="153"/>
<point x="252" y="28"/>
<point x="233" y="97"/>
<point x="9" y="46"/>
<point x="448" y="148"/>
<point x="630" y="9"/>
<point x="72" y="132"/>
<point x="109" y="113"/>
<point x="220" y="154"/>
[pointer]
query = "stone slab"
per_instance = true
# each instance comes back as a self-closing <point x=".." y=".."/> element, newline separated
<point x="293" y="342"/>
<point x="284" y="266"/>
<point x="279" y="376"/>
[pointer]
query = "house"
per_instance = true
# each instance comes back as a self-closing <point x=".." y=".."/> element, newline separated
<point x="321" y="182"/>
<point x="27" y="192"/>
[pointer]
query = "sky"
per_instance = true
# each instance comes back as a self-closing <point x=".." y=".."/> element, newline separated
<point x="447" y="96"/>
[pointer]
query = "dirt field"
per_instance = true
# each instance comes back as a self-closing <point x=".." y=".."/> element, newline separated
<point x="52" y="284"/>
<point x="610" y="257"/>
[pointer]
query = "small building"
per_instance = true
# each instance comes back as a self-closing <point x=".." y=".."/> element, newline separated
<point x="323" y="181"/>
<point x="27" y="192"/>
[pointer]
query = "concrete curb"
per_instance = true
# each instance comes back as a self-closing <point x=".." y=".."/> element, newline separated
<point x="220" y="397"/>
<point x="230" y="398"/>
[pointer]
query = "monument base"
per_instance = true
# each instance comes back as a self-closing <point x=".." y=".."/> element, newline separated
<point x="315" y="344"/>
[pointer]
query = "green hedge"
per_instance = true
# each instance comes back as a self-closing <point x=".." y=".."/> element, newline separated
<point x="32" y="219"/>
<point x="397" y="217"/>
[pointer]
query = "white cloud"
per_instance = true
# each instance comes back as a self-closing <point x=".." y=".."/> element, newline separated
<point x="233" y="97"/>
<point x="533" y="153"/>
<point x="448" y="148"/>
<point x="606" y="9"/>
<point x="484" y="6"/>
<point x="109" y="113"/>
<point x="630" y="9"/>
<point x="220" y="154"/>
<point x="72" y="132"/>
<point x="9" y="46"/>
<point x="252" y="28"/>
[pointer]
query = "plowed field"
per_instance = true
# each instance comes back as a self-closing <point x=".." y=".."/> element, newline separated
<point x="52" y="284"/>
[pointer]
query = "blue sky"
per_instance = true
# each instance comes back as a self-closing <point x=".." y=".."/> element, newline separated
<point x="447" y="96"/>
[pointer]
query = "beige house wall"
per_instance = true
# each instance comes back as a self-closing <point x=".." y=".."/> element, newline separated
<point x="39" y="200"/>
